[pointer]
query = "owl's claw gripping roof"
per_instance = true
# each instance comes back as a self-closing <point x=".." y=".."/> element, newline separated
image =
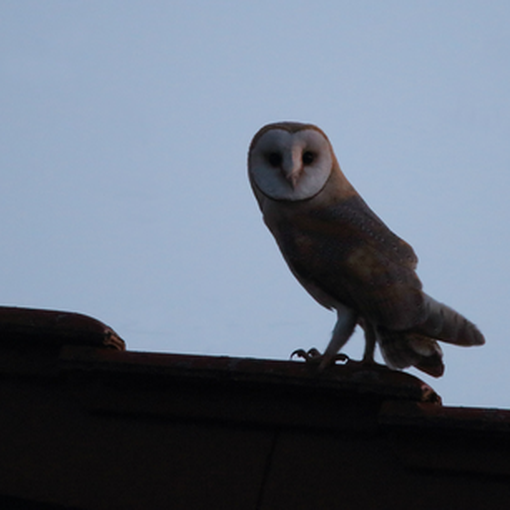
<point x="314" y="356"/>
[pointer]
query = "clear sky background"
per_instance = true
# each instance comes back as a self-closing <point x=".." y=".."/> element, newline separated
<point x="124" y="132"/>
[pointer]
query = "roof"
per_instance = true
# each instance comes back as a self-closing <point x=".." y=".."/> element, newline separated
<point x="146" y="429"/>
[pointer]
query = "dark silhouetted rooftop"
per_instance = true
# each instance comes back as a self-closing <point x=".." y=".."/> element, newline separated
<point x="88" y="425"/>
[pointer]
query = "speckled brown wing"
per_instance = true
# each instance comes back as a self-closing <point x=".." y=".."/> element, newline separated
<point x="349" y="253"/>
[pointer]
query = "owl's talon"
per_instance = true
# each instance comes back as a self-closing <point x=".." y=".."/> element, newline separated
<point x="300" y="353"/>
<point x="341" y="357"/>
<point x="314" y="356"/>
<point x="310" y="356"/>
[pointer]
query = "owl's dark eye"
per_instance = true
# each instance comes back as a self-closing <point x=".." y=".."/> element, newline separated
<point x="274" y="159"/>
<point x="308" y="157"/>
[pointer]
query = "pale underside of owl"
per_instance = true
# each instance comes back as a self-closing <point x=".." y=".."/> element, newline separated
<point x="345" y="256"/>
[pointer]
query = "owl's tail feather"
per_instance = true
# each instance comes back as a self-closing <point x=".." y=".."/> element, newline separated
<point x="403" y="349"/>
<point x="444" y="323"/>
<point x="418" y="346"/>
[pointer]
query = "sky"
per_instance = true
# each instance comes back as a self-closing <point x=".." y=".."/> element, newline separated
<point x="123" y="142"/>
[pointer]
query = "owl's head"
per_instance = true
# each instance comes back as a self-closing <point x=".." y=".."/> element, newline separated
<point x="290" y="161"/>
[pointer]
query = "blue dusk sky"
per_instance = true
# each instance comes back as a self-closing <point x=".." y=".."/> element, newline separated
<point x="124" y="133"/>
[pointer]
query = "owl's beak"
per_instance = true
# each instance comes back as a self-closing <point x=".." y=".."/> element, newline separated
<point x="292" y="171"/>
<point x="293" y="177"/>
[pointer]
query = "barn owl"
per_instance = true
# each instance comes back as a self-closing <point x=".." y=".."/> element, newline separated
<point x="345" y="256"/>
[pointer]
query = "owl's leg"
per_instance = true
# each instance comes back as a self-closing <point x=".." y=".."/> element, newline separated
<point x="370" y="341"/>
<point x="344" y="327"/>
<point x="345" y="324"/>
